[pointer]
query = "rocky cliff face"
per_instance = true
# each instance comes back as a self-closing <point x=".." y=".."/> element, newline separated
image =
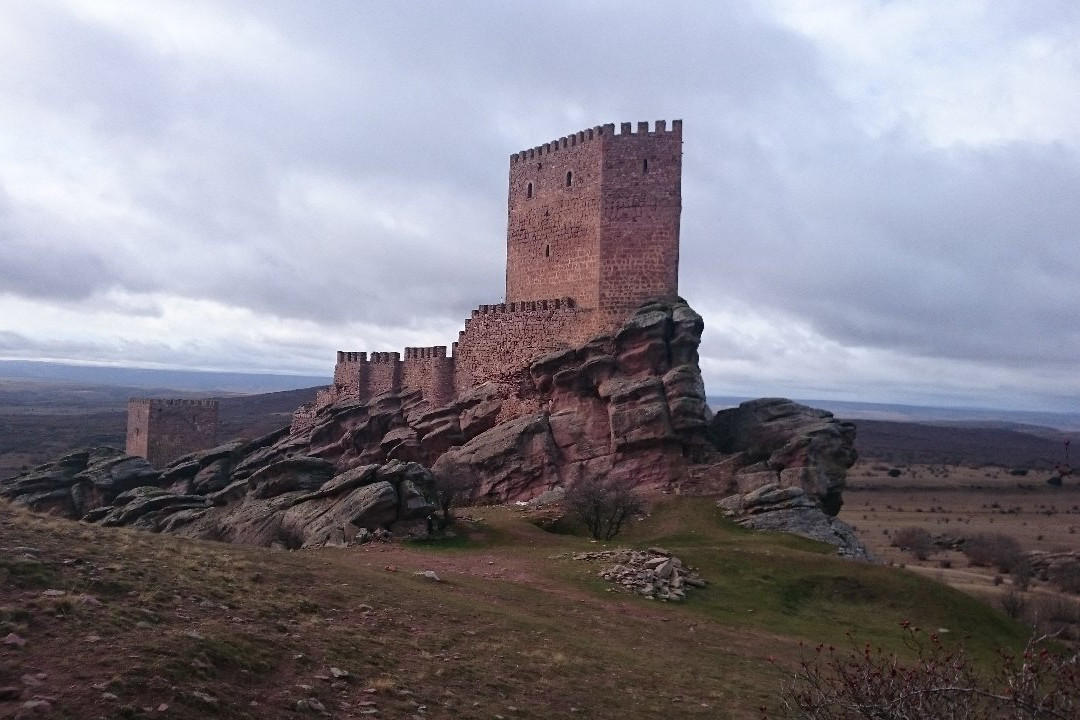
<point x="629" y="406"/>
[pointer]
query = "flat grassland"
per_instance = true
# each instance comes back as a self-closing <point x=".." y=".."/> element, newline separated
<point x="956" y="503"/>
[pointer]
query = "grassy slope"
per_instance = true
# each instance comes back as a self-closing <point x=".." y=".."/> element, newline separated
<point x="516" y="629"/>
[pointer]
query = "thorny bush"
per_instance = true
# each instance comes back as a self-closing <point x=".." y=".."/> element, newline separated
<point x="869" y="684"/>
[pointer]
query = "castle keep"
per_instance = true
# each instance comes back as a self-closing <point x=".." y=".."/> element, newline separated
<point x="592" y="233"/>
<point x="164" y="430"/>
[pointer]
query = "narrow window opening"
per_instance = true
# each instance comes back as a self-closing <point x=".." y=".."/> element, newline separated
<point x="539" y="165"/>
<point x="569" y="178"/>
<point x="547" y="251"/>
<point x="528" y="191"/>
<point x="645" y="167"/>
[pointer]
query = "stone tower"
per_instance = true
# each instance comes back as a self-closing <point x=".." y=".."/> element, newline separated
<point x="164" y="430"/>
<point x="594" y="216"/>
<point x="592" y="234"/>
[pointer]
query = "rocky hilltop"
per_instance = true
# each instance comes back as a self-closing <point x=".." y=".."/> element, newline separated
<point x="629" y="406"/>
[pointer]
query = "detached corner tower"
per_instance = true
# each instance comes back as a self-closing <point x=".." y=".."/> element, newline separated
<point x="162" y="430"/>
<point x="594" y="217"/>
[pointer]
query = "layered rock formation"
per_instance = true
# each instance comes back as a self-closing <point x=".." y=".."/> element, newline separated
<point x="786" y="467"/>
<point x="629" y="406"/>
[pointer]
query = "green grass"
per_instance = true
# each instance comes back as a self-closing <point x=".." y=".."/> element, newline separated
<point x="517" y="628"/>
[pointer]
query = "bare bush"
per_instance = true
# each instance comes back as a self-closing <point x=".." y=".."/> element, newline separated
<point x="1022" y="572"/>
<point x="993" y="550"/>
<point x="941" y="682"/>
<point x="915" y="540"/>
<point x="449" y="489"/>
<point x="1056" y="615"/>
<point x="1066" y="575"/>
<point x="603" y="504"/>
<point x="1013" y="603"/>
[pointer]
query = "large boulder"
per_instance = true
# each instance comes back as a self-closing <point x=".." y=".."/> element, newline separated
<point x="785" y="469"/>
<point x="784" y="442"/>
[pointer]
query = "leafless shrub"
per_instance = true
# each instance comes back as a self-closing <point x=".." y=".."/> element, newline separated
<point x="992" y="550"/>
<point x="1055" y="615"/>
<point x="1066" y="575"/>
<point x="450" y="488"/>
<point x="603" y="504"/>
<point x="1022" y="572"/>
<point x="915" y="540"/>
<point x="941" y="682"/>
<point x="1013" y="603"/>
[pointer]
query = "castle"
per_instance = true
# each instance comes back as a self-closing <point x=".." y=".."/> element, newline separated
<point x="162" y="430"/>
<point x="592" y="233"/>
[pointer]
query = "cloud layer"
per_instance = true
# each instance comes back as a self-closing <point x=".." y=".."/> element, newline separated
<point x="880" y="199"/>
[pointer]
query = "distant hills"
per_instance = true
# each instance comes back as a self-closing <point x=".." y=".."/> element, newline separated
<point x="192" y="381"/>
<point x="1050" y="424"/>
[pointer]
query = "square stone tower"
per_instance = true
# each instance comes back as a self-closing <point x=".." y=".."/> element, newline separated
<point x="594" y="217"/>
<point x="162" y="430"/>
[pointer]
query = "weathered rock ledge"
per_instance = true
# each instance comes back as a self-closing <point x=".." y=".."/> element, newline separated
<point x="628" y="406"/>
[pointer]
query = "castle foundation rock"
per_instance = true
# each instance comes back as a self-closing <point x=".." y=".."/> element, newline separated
<point x="628" y="406"/>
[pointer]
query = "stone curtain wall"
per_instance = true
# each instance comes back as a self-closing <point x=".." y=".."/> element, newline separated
<point x="642" y="204"/>
<point x="170" y="428"/>
<point x="500" y="339"/>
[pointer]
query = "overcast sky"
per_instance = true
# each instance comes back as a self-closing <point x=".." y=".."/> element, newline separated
<point x="881" y="200"/>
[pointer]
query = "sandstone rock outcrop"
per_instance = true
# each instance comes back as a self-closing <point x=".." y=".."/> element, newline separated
<point x="629" y="406"/>
<point x="786" y="466"/>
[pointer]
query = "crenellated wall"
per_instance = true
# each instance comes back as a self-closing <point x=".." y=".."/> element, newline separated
<point x="162" y="430"/>
<point x="593" y="220"/>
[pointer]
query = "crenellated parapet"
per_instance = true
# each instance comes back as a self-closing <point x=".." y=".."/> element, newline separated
<point x="425" y="353"/>
<point x="596" y="133"/>
<point x="174" y="402"/>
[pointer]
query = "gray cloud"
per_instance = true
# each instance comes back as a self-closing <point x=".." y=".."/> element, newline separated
<point x="342" y="162"/>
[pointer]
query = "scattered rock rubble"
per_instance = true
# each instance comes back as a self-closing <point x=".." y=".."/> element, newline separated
<point x="654" y="573"/>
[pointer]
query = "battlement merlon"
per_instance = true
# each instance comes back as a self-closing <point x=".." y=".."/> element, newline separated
<point x="423" y="353"/>
<point x="599" y="131"/>
<point x="524" y="306"/>
<point x="173" y="402"/>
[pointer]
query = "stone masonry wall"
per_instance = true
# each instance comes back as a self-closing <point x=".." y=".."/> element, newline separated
<point x="350" y="375"/>
<point x="384" y="371"/>
<point x="499" y="339"/>
<point x="642" y="204"/>
<point x="429" y="370"/>
<point x="138" y="427"/>
<point x="553" y="220"/>
<point x="164" y="430"/>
